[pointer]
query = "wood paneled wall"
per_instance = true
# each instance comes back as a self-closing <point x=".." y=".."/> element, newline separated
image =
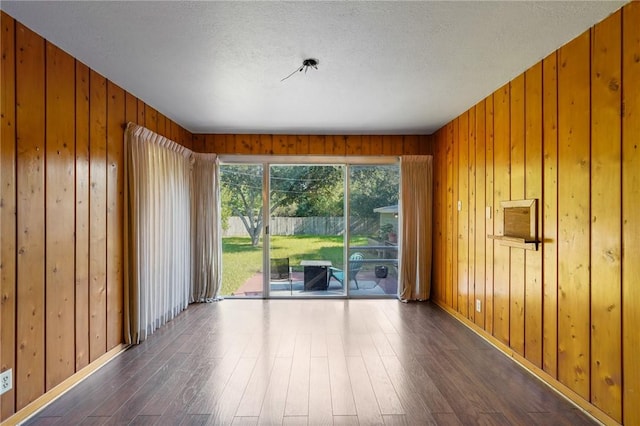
<point x="565" y="132"/>
<point x="61" y="201"/>
<point x="338" y="145"/>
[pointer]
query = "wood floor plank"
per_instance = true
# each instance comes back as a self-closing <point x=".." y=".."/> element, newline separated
<point x="297" y="403"/>
<point x="385" y="393"/>
<point x="251" y="402"/>
<point x="410" y="364"/>
<point x="415" y="408"/>
<point x="320" y="410"/>
<point x="363" y="394"/>
<point x="233" y="391"/>
<point x="346" y="420"/>
<point x="145" y="420"/>
<point x="245" y="421"/>
<point x="341" y="394"/>
<point x="395" y="420"/>
<point x="318" y="344"/>
<point x="275" y="396"/>
<point x="295" y="421"/>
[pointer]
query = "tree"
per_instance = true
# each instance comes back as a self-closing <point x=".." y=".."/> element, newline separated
<point x="372" y="187"/>
<point x="295" y="191"/>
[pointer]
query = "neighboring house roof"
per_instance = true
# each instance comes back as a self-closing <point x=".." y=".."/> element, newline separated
<point x="386" y="209"/>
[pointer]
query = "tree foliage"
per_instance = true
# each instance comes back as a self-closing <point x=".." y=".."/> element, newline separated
<point x="372" y="187"/>
<point x="304" y="191"/>
<point x="296" y="191"/>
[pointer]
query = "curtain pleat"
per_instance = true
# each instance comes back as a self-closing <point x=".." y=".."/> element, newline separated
<point x="205" y="199"/>
<point x="416" y="173"/>
<point x="162" y="184"/>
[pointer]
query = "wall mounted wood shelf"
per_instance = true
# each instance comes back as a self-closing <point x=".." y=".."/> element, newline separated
<point x="520" y="224"/>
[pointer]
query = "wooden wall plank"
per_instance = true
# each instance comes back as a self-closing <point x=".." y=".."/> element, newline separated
<point x="491" y="204"/>
<point x="266" y="144"/>
<point x="82" y="215"/>
<point x="256" y="144"/>
<point x="97" y="215"/>
<point x="131" y="110"/>
<point x="30" y="125"/>
<point x="631" y="212"/>
<point x="141" y="120"/>
<point x="60" y="215"/>
<point x="199" y="143"/>
<point x="480" y="219"/>
<point x="388" y="142"/>
<point x="449" y="231"/>
<point x="280" y="144"/>
<point x="115" y="213"/>
<point x="7" y="207"/>
<point x="222" y="143"/>
<point x="354" y="145"/>
<point x="437" y="289"/>
<point x="454" y="212"/>
<point x="411" y="145"/>
<point x="151" y="118"/>
<point x="463" y="215"/>
<point x="516" y="275"/>
<point x="550" y="215"/>
<point x="573" y="213"/>
<point x="606" y="202"/>
<point x="245" y="144"/>
<point x="375" y="145"/>
<point x="471" y="201"/>
<point x="501" y="192"/>
<point x="316" y="144"/>
<point x="533" y="190"/>
<point x="339" y="146"/>
<point x="161" y="124"/>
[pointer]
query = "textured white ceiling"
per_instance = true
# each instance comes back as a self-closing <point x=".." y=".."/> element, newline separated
<point x="385" y="67"/>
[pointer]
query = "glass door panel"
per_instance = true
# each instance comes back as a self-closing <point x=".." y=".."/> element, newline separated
<point x="242" y="235"/>
<point x="306" y="230"/>
<point x="373" y="234"/>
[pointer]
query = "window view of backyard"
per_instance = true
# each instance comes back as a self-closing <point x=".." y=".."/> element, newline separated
<point x="307" y="229"/>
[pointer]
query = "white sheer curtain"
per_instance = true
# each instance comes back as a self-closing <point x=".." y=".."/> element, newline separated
<point x="206" y="232"/>
<point x="159" y="248"/>
<point x="416" y="173"/>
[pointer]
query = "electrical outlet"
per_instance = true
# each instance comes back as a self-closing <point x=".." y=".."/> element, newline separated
<point x="459" y="205"/>
<point x="478" y="305"/>
<point x="6" y="381"/>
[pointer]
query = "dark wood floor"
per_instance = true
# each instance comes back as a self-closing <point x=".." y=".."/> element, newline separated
<point x="312" y="362"/>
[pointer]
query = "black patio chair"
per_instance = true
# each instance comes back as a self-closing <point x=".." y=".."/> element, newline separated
<point x="281" y="271"/>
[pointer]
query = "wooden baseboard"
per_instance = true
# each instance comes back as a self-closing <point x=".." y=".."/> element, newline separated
<point x="563" y="390"/>
<point x="44" y="400"/>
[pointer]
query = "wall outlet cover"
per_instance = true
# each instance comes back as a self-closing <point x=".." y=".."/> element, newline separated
<point x="6" y="381"/>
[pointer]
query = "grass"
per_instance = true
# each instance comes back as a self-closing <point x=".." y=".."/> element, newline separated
<point x="240" y="260"/>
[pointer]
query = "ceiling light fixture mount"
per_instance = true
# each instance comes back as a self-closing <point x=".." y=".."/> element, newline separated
<point x="306" y="64"/>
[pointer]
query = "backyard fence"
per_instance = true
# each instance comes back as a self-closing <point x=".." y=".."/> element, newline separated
<point x="306" y="226"/>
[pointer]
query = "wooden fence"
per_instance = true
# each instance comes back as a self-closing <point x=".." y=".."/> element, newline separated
<point x="306" y="226"/>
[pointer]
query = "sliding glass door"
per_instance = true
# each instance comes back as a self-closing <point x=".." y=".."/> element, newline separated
<point x="242" y="230"/>
<point x="373" y="237"/>
<point x="310" y="229"/>
<point x="306" y="229"/>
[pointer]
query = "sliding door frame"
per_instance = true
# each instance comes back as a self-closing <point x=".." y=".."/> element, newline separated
<point x="267" y="161"/>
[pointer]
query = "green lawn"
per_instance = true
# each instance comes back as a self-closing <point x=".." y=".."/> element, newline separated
<point x="240" y="261"/>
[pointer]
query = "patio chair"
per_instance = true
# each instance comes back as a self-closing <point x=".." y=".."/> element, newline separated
<point x="355" y="264"/>
<point x="281" y="271"/>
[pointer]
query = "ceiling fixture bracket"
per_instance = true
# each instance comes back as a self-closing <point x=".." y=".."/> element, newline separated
<point x="306" y="64"/>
